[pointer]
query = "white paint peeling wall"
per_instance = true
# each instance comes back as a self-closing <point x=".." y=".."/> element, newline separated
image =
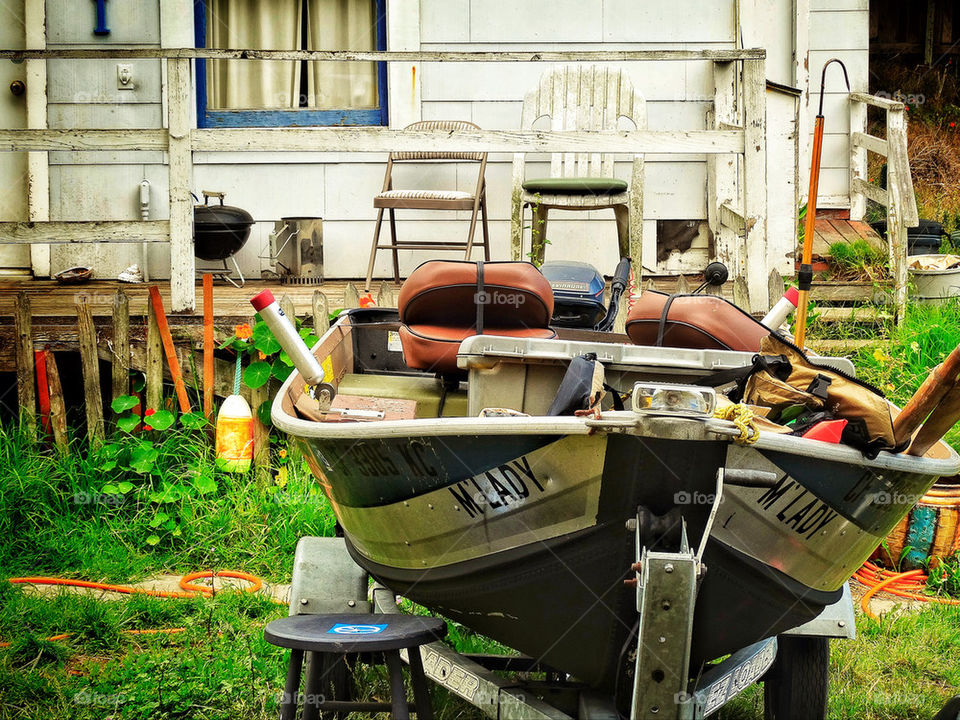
<point x="340" y="187"/>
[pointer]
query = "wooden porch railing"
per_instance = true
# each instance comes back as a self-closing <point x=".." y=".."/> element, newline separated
<point x="745" y="139"/>
<point x="898" y="198"/>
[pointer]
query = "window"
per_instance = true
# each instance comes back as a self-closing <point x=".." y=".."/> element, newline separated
<point x="278" y="93"/>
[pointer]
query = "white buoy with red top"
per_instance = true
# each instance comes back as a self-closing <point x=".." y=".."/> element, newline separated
<point x="781" y="311"/>
<point x="286" y="334"/>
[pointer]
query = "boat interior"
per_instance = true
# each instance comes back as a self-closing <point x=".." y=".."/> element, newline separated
<point x="459" y="346"/>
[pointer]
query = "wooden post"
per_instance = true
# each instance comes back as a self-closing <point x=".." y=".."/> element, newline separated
<point x="321" y="315"/>
<point x="351" y="298"/>
<point x="154" y="361"/>
<point x="26" y="380"/>
<point x="286" y="304"/>
<point x="896" y="226"/>
<point x="261" y="433"/>
<point x="208" y="379"/>
<point x="722" y="169"/>
<point x="58" y="409"/>
<point x="755" y="182"/>
<point x="858" y="160"/>
<point x="741" y="293"/>
<point x="90" y="363"/>
<point x="121" y="344"/>
<point x="38" y="163"/>
<point x="182" y="262"/>
<point x="774" y="288"/>
<point x="384" y="296"/>
<point x="172" y="362"/>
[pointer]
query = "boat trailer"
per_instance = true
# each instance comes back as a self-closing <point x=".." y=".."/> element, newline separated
<point x="326" y="580"/>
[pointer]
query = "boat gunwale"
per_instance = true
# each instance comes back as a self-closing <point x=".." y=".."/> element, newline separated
<point x="624" y="422"/>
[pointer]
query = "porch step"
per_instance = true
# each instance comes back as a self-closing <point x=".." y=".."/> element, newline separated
<point x="827" y="231"/>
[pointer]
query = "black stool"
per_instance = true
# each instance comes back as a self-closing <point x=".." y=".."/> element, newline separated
<point x="339" y="635"/>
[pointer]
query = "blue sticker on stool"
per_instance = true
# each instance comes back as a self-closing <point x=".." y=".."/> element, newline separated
<point x="351" y="629"/>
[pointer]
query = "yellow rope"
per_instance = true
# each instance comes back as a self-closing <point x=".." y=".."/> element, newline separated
<point x="742" y="418"/>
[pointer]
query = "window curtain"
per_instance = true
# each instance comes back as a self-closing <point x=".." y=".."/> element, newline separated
<point x="341" y="25"/>
<point x="253" y="84"/>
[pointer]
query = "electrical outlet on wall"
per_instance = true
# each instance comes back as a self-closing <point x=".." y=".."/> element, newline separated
<point x="125" y="76"/>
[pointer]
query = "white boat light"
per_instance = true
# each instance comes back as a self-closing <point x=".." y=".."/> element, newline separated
<point x="673" y="399"/>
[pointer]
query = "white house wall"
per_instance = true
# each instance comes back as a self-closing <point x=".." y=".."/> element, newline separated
<point x="838" y="28"/>
<point x="339" y="187"/>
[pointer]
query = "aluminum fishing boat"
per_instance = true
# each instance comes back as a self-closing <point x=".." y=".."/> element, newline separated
<point x="457" y="489"/>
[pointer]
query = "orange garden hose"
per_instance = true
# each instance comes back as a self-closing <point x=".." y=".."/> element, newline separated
<point x="905" y="584"/>
<point x="189" y="590"/>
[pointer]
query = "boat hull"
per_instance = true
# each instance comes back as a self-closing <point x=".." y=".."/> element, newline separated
<point x="523" y="537"/>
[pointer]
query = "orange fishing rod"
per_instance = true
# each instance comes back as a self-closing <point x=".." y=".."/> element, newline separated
<point x="805" y="276"/>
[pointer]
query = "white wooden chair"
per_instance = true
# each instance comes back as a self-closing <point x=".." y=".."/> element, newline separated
<point x="391" y="200"/>
<point x="592" y="97"/>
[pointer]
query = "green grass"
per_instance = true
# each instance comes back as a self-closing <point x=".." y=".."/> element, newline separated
<point x="55" y="519"/>
<point x="858" y="259"/>
<point x="220" y="667"/>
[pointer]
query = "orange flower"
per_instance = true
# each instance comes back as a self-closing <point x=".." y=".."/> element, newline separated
<point x="243" y="332"/>
<point x="367" y="301"/>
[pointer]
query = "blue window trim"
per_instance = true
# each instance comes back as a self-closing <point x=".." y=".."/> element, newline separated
<point x="288" y="118"/>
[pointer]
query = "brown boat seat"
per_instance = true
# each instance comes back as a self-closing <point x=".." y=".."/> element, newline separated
<point x="445" y="301"/>
<point x="702" y="322"/>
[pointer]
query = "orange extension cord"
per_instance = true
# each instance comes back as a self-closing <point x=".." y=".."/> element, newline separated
<point x="189" y="590"/>
<point x="905" y="584"/>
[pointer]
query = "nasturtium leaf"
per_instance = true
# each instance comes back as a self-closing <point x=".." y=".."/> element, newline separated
<point x="124" y="403"/>
<point x="256" y="374"/>
<point x="160" y="420"/>
<point x="170" y="493"/>
<point x="110" y="489"/>
<point x="285" y="359"/>
<point x="280" y="370"/>
<point x="176" y="532"/>
<point x="204" y="484"/>
<point x="124" y="487"/>
<point x="128" y="423"/>
<point x="153" y="539"/>
<point x="263" y="339"/>
<point x="138" y="381"/>
<point x="108" y="465"/>
<point x="263" y="413"/>
<point x="170" y="524"/>
<point x="193" y="420"/>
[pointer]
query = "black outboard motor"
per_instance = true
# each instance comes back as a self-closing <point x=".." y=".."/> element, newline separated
<point x="578" y="294"/>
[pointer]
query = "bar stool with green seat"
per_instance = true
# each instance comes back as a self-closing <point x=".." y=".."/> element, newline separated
<point x="581" y="98"/>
